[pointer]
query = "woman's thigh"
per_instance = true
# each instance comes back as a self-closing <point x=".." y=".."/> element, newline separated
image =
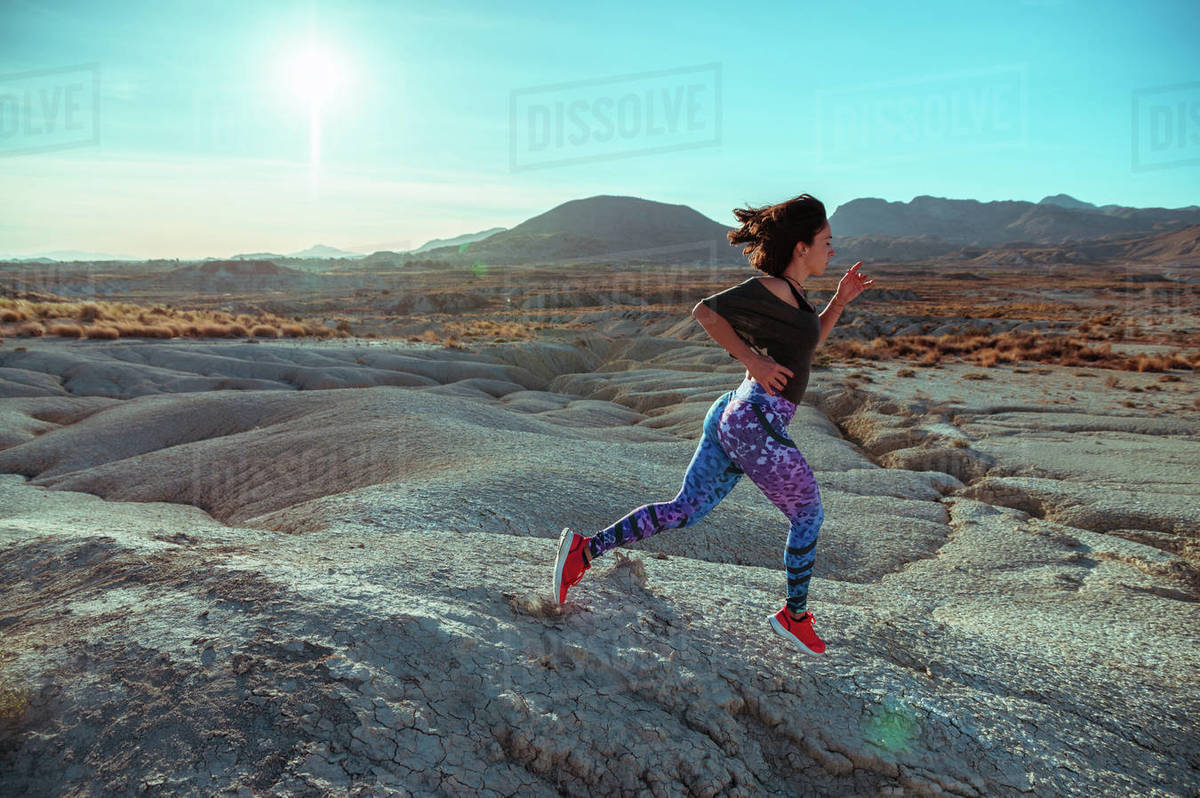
<point x="755" y="438"/>
<point x="710" y="474"/>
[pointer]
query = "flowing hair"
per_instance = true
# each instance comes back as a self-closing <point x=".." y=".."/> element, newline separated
<point x="771" y="232"/>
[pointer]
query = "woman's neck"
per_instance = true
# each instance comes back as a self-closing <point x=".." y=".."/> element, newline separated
<point x="798" y="279"/>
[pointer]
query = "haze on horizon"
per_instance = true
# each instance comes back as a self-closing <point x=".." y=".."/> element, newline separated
<point x="213" y="129"/>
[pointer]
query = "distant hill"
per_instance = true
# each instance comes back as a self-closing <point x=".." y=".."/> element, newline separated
<point x="465" y="238"/>
<point x="605" y="227"/>
<point x="1056" y="220"/>
<point x="68" y="255"/>
<point x="231" y="276"/>
<point x="322" y="251"/>
<point x="1176" y="247"/>
<point x="1067" y="201"/>
<point x="253" y="256"/>
<point x="895" y="249"/>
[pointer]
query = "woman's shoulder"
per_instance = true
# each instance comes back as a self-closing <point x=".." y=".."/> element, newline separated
<point x="776" y="285"/>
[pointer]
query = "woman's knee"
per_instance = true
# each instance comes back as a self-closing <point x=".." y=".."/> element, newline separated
<point x="807" y="519"/>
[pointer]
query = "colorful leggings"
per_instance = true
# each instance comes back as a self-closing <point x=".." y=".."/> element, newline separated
<point x="744" y="433"/>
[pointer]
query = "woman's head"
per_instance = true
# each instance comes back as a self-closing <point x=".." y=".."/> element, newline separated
<point x="771" y="233"/>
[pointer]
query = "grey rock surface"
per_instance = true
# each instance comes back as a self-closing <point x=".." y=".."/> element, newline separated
<point x="330" y="576"/>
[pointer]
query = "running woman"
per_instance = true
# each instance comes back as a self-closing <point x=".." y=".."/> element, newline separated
<point x="769" y="325"/>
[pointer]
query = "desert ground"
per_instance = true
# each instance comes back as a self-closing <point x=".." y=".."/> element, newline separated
<point x="241" y="559"/>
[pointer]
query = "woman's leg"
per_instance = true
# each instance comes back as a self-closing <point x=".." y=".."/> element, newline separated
<point x="709" y="478"/>
<point x="754" y="435"/>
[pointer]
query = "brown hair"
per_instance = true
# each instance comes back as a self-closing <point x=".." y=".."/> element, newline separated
<point x="771" y="232"/>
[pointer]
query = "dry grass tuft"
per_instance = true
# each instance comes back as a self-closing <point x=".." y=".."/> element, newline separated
<point x="57" y="317"/>
<point x="64" y="330"/>
<point x="990" y="350"/>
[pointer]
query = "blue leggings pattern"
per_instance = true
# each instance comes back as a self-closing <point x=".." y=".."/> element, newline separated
<point x="744" y="433"/>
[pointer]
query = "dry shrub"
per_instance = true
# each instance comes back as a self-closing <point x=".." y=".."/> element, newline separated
<point x="906" y="373"/>
<point x="976" y="375"/>
<point x="1112" y="382"/>
<point x="90" y="311"/>
<point x="65" y="330"/>
<point x="9" y="315"/>
<point x="30" y="329"/>
<point x="343" y="325"/>
<point x="293" y="330"/>
<point x="101" y="331"/>
<point x="213" y="330"/>
<point x="1169" y="378"/>
<point x="237" y="331"/>
<point x="264" y="331"/>
<point x="134" y="330"/>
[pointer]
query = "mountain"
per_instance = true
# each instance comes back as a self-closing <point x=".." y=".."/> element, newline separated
<point x="67" y="255"/>
<point x="610" y="228"/>
<point x="225" y="276"/>
<point x="973" y="223"/>
<point x="1067" y="201"/>
<point x="254" y="256"/>
<point x="465" y="238"/>
<point x="1180" y="247"/>
<point x="322" y="251"/>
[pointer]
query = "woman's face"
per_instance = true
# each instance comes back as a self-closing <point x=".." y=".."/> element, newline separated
<point x="821" y="251"/>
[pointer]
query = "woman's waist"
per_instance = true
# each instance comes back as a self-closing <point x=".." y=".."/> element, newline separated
<point x="753" y="391"/>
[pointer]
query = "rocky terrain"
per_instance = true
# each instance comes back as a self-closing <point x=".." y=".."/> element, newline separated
<point x="293" y="568"/>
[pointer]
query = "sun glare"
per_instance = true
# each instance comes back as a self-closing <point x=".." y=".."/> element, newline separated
<point x="313" y="73"/>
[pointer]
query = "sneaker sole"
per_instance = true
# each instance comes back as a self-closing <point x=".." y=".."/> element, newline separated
<point x="791" y="638"/>
<point x="564" y="549"/>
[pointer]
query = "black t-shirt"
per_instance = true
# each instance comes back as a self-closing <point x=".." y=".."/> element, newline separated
<point x="766" y="323"/>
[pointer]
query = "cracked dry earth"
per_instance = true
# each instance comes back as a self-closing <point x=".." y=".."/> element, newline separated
<point x="291" y="570"/>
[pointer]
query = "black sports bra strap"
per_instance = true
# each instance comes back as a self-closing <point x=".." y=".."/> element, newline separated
<point x="799" y="297"/>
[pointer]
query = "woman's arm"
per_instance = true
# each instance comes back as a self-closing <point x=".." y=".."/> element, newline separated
<point x="852" y="284"/>
<point x="772" y="376"/>
<point x="829" y="317"/>
<point x="723" y="333"/>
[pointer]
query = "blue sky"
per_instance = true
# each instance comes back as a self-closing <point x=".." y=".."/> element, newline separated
<point x="438" y="119"/>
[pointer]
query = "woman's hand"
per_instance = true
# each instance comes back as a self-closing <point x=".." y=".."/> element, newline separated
<point x="769" y="374"/>
<point x="851" y="285"/>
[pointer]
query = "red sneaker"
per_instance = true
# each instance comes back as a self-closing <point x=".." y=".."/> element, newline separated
<point x="571" y="564"/>
<point x="799" y="633"/>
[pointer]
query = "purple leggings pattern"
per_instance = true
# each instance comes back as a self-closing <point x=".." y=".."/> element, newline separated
<point x="744" y="433"/>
